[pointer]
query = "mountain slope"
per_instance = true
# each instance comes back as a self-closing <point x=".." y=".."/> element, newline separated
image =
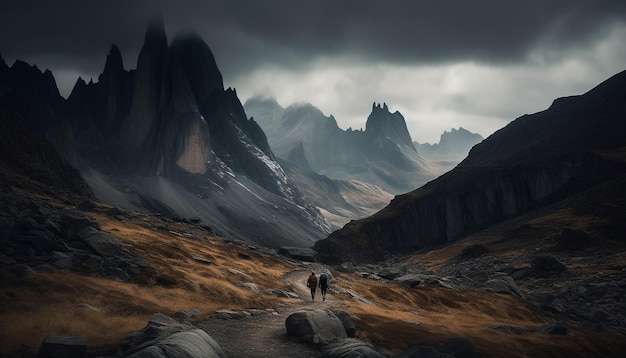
<point x="569" y="149"/>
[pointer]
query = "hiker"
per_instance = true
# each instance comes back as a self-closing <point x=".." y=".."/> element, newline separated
<point x="323" y="284"/>
<point x="312" y="284"/>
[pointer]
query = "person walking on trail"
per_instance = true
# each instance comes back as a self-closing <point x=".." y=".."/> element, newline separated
<point x="312" y="284"/>
<point x="324" y="282"/>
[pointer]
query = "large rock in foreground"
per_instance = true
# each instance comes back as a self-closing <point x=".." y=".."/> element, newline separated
<point x="164" y="337"/>
<point x="317" y="327"/>
<point x="192" y="343"/>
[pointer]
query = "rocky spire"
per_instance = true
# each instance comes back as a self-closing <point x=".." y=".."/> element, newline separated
<point x="114" y="64"/>
<point x="383" y="124"/>
<point x="149" y="86"/>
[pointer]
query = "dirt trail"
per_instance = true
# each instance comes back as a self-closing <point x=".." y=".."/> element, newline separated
<point x="265" y="335"/>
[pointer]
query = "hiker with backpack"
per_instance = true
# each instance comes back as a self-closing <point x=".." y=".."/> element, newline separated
<point x="312" y="284"/>
<point x="324" y="282"/>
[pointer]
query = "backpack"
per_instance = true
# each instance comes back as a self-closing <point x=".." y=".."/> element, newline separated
<point x="323" y="280"/>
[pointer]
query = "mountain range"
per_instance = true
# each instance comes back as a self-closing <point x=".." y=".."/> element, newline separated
<point x="168" y="138"/>
<point x="382" y="154"/>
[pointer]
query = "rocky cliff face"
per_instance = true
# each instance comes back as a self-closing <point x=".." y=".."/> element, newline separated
<point x="573" y="146"/>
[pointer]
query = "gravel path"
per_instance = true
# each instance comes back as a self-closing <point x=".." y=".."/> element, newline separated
<point x="264" y="334"/>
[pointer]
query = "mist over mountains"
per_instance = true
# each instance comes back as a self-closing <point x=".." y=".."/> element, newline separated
<point x="383" y="154"/>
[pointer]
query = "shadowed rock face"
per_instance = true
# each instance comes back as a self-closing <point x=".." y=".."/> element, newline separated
<point x="168" y="138"/>
<point x="570" y="147"/>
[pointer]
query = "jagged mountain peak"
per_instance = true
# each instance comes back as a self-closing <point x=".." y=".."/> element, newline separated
<point x="383" y="124"/>
<point x="114" y="63"/>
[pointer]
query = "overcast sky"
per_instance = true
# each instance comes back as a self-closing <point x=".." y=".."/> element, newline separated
<point x="442" y="64"/>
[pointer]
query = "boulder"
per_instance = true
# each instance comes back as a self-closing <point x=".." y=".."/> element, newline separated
<point x="298" y="253"/>
<point x="390" y="273"/>
<point x="104" y="244"/>
<point x="318" y="327"/>
<point x="190" y="344"/>
<point x="409" y="280"/>
<point x="63" y="346"/>
<point x="503" y="284"/>
<point x="158" y="327"/>
<point x="348" y="325"/>
<point x="73" y="221"/>
<point x="351" y="348"/>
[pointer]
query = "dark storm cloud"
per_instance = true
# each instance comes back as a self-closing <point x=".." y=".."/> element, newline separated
<point x="442" y="63"/>
<point x="291" y="33"/>
<point x="245" y="34"/>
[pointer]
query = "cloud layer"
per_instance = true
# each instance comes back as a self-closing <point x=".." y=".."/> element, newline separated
<point x="442" y="63"/>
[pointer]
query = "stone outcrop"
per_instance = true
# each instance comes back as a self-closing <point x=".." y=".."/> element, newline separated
<point x="317" y="327"/>
<point x="164" y="337"/>
<point x="351" y="347"/>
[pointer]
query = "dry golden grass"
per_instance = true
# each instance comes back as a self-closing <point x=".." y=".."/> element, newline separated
<point x="106" y="311"/>
<point x="62" y="303"/>
<point x="429" y="315"/>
